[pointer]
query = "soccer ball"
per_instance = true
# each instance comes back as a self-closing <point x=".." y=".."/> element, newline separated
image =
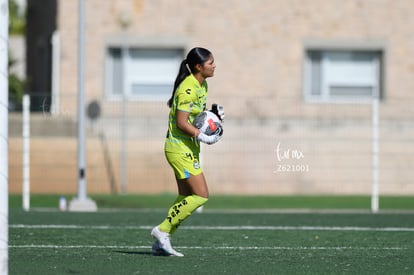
<point x="208" y="123"/>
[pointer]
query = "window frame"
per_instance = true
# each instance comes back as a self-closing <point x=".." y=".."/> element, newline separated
<point x="377" y="47"/>
<point x="126" y="44"/>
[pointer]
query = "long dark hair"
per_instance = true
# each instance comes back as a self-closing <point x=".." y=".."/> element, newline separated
<point x="195" y="56"/>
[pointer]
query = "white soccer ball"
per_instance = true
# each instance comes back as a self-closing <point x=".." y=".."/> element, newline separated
<point x="208" y="123"/>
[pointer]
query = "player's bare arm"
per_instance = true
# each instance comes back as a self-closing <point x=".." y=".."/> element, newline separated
<point x="184" y="125"/>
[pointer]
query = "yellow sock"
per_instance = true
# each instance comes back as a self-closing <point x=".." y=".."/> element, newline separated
<point x="165" y="227"/>
<point x="180" y="211"/>
<point x="178" y="199"/>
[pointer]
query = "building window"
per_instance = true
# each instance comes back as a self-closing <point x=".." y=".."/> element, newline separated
<point x="342" y="75"/>
<point x="141" y="73"/>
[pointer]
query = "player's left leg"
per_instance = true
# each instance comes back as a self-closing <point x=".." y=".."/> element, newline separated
<point x="195" y="192"/>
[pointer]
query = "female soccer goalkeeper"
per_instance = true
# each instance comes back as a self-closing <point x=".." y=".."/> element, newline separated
<point x="182" y="144"/>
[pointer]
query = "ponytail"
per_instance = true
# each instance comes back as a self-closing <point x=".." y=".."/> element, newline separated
<point x="195" y="56"/>
<point x="183" y="72"/>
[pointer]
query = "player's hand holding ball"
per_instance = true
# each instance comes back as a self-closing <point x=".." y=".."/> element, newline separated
<point x="209" y="126"/>
<point x="209" y="139"/>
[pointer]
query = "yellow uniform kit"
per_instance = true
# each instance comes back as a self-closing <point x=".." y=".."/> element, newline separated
<point x="181" y="150"/>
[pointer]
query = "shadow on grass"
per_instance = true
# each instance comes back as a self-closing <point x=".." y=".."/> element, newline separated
<point x="134" y="252"/>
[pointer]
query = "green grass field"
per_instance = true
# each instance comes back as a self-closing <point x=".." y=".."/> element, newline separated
<point x="253" y="237"/>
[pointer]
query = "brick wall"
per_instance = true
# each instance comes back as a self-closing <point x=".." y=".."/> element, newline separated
<point x="259" y="51"/>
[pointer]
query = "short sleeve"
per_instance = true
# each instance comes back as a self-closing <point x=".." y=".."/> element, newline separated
<point x="185" y="100"/>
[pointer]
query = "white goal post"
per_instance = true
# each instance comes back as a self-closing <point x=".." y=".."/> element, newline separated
<point x="4" y="134"/>
<point x="375" y="155"/>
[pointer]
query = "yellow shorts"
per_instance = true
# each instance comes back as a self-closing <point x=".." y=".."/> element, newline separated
<point x="184" y="164"/>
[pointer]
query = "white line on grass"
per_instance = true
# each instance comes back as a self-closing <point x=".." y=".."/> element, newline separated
<point x="248" y="211"/>
<point x="206" y="247"/>
<point x="270" y="228"/>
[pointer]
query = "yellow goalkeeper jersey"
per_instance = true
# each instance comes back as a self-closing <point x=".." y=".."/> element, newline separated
<point x="190" y="97"/>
